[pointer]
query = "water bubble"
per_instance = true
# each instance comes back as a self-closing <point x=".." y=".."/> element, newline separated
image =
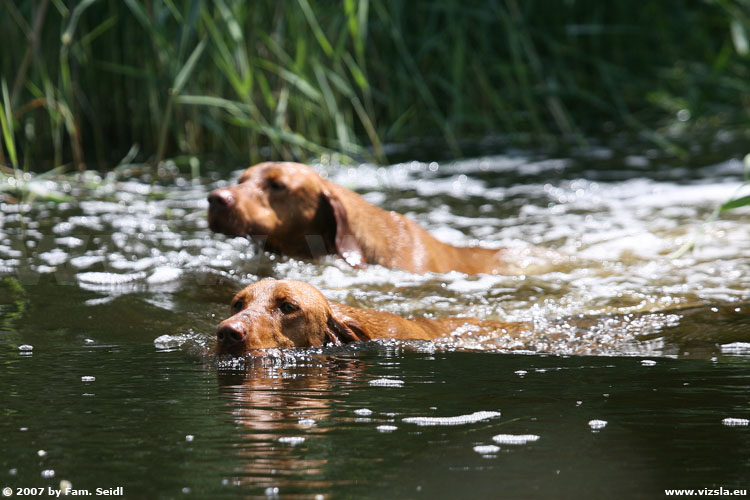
<point x="272" y="492"/>
<point x="363" y="412"/>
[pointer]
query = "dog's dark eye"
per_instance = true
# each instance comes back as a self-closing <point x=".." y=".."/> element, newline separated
<point x="288" y="307"/>
<point x="276" y="185"/>
<point x="237" y="306"/>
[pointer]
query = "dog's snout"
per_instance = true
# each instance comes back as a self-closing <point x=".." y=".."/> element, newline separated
<point x="231" y="333"/>
<point x="221" y="198"/>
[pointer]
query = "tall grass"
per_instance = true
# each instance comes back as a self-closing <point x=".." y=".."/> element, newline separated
<point x="299" y="78"/>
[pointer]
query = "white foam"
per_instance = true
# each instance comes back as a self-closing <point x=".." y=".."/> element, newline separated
<point x="54" y="257"/>
<point x="164" y="274"/>
<point x="386" y="382"/>
<point x="515" y="438"/>
<point x="109" y="279"/>
<point x="171" y="341"/>
<point x="292" y="440"/>
<point x="487" y="449"/>
<point x="459" y="420"/>
<point x="736" y="422"/>
<point x="386" y="428"/>
<point x="597" y="424"/>
<point x="736" y="348"/>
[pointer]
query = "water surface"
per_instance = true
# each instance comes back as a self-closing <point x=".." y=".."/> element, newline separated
<point x="108" y="305"/>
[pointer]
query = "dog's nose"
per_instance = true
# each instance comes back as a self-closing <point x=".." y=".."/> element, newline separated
<point x="221" y="198"/>
<point x="231" y="333"/>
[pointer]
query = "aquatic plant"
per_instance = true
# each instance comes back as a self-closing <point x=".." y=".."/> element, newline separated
<point x="297" y="79"/>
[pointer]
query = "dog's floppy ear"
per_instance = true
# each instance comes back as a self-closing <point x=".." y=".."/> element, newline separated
<point x="343" y="330"/>
<point x="346" y="244"/>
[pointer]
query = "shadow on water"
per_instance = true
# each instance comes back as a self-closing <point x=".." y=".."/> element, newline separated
<point x="109" y="305"/>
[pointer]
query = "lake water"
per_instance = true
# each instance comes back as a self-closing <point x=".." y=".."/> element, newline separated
<point x="636" y="381"/>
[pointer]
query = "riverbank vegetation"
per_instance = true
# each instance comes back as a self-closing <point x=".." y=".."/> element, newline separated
<point x="87" y="84"/>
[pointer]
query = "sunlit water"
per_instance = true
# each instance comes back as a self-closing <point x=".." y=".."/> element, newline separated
<point x="108" y="305"/>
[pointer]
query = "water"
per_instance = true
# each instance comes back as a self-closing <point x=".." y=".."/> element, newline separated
<point x="108" y="305"/>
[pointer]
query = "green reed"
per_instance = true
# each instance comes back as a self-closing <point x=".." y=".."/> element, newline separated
<point x="303" y="78"/>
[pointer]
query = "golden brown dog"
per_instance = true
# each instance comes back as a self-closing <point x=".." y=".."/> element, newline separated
<point x="284" y="313"/>
<point x="296" y="212"/>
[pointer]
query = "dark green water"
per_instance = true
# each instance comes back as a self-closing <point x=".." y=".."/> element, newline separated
<point x="664" y="424"/>
<point x="108" y="305"/>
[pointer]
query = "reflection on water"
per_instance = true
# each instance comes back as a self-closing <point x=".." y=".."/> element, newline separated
<point x="280" y="404"/>
<point x="329" y="424"/>
<point x="109" y="305"/>
<point x="447" y="423"/>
